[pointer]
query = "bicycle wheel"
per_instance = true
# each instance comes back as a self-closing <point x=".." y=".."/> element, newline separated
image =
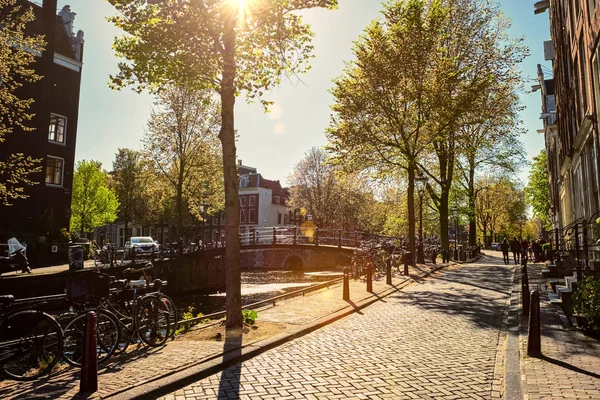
<point x="31" y="344"/>
<point x="120" y="256"/>
<point x="173" y="316"/>
<point x="107" y="337"/>
<point x="151" y="319"/>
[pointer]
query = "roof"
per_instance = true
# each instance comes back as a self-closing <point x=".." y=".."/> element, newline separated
<point x="62" y="42"/>
<point x="257" y="181"/>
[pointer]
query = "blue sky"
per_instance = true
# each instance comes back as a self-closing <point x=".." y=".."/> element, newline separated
<point x="272" y="143"/>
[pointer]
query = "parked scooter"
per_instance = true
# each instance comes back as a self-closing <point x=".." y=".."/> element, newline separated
<point x="16" y="258"/>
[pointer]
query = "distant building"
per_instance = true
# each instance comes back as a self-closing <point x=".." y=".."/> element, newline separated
<point x="263" y="203"/>
<point x="40" y="217"/>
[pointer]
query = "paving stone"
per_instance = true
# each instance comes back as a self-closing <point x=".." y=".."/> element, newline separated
<point x="436" y="339"/>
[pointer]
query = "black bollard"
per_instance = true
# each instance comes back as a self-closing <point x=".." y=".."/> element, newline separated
<point x="406" y="260"/>
<point x="433" y="256"/>
<point x="89" y="364"/>
<point x="534" y="345"/>
<point x="346" y="295"/>
<point x="388" y="272"/>
<point x="369" y="278"/>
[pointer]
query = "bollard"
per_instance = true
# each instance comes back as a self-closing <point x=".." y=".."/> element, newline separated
<point x="433" y="256"/>
<point x="89" y="365"/>
<point x="346" y="295"/>
<point x="369" y="278"/>
<point x="534" y="345"/>
<point x="274" y="235"/>
<point x="406" y="261"/>
<point x="388" y="271"/>
<point x="525" y="293"/>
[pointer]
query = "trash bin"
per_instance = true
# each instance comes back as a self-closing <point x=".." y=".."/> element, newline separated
<point x="75" y="258"/>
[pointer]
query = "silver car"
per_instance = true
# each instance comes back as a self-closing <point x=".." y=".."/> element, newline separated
<point x="144" y="246"/>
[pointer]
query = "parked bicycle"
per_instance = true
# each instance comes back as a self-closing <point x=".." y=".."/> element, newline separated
<point x="130" y="312"/>
<point x="105" y="254"/>
<point x="31" y="342"/>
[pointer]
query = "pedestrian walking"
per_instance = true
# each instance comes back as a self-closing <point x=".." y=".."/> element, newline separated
<point x="515" y="247"/>
<point x="505" y="246"/>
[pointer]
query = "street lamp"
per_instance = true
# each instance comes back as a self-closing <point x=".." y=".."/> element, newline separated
<point x="203" y="210"/>
<point x="421" y="184"/>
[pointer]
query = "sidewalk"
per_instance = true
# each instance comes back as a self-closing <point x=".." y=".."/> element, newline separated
<point x="143" y="370"/>
<point x="569" y="367"/>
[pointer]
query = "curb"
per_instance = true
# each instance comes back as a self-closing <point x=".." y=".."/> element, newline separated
<point x="512" y="355"/>
<point x="215" y="363"/>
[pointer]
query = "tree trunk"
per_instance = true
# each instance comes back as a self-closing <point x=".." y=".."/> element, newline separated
<point x="232" y="202"/>
<point x="411" y="209"/>
<point x="484" y="236"/>
<point x="444" y="215"/>
<point x="471" y="198"/>
<point x="126" y="232"/>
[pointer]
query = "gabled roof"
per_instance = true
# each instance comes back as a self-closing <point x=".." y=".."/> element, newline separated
<point x="62" y="42"/>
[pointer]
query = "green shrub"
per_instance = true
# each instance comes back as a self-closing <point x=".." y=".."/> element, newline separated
<point x="189" y="314"/>
<point x="586" y="301"/>
<point x="249" y="316"/>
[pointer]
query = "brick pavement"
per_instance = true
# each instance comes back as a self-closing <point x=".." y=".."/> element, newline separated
<point x="438" y="339"/>
<point x="570" y="365"/>
<point x="145" y="365"/>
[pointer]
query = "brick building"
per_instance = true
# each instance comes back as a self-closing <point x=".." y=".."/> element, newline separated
<point x="570" y="108"/>
<point x="40" y="217"/>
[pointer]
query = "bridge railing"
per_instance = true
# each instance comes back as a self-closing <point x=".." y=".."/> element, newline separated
<point x="299" y="235"/>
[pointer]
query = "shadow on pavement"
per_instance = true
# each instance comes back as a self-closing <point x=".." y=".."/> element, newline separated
<point x="459" y="294"/>
<point x="229" y="386"/>
<point x="568" y="366"/>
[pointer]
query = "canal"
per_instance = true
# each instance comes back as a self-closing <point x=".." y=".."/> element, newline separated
<point x="256" y="286"/>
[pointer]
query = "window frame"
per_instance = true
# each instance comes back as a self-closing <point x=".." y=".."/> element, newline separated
<point x="252" y="216"/>
<point x="251" y="201"/>
<point x="64" y="134"/>
<point x="62" y="172"/>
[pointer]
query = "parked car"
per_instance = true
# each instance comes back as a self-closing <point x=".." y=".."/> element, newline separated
<point x="144" y="246"/>
<point x="496" y="246"/>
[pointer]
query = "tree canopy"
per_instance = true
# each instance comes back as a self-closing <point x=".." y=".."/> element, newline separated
<point x="17" y="54"/>
<point x="537" y="190"/>
<point x="229" y="46"/>
<point x="93" y="203"/>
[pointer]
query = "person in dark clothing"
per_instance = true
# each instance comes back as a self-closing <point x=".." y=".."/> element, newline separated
<point x="515" y="247"/>
<point x="505" y="247"/>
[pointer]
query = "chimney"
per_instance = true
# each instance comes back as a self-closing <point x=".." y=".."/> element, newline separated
<point x="49" y="29"/>
<point x="239" y="162"/>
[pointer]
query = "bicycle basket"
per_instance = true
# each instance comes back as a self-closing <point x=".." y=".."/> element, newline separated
<point x="88" y="284"/>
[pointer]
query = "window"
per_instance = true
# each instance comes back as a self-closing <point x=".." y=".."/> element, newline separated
<point x="251" y="201"/>
<point x="277" y="200"/>
<point x="57" y="128"/>
<point x="584" y="80"/>
<point x="54" y="171"/>
<point x="242" y="201"/>
<point x="278" y="218"/>
<point x="251" y="216"/>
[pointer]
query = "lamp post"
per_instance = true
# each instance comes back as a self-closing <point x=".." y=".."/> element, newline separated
<point x="203" y="210"/>
<point x="421" y="184"/>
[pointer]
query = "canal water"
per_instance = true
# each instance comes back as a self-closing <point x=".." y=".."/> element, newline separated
<point x="256" y="286"/>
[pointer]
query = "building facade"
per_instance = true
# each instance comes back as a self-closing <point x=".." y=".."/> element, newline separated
<point x="570" y="109"/>
<point x="46" y="211"/>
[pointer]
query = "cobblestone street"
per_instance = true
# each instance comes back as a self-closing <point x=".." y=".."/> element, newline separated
<point x="439" y="338"/>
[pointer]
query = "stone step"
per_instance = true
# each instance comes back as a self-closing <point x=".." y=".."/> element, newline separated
<point x="554" y="298"/>
<point x="571" y="282"/>
<point x="564" y="292"/>
<point x="554" y="282"/>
